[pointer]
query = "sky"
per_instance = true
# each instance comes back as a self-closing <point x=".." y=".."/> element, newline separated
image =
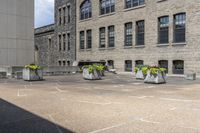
<point x="44" y="12"/>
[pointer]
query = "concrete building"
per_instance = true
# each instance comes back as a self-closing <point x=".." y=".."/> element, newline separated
<point x="16" y="32"/>
<point x="125" y="33"/>
<point x="56" y="44"/>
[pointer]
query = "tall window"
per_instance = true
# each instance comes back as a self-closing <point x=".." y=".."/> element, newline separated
<point x="107" y="6"/>
<point x="128" y="65"/>
<point x="102" y="37"/>
<point x="59" y="42"/>
<point x="111" y="36"/>
<point x="82" y="40"/>
<point x="64" y="15"/>
<point x="89" y="39"/>
<point x="134" y="3"/>
<point x="140" y="29"/>
<point x="64" y="42"/>
<point x="68" y="41"/>
<point x="163" y="64"/>
<point x="86" y="10"/>
<point x="68" y="13"/>
<point x="128" y="34"/>
<point x="59" y="16"/>
<point x="179" y="27"/>
<point x="178" y="67"/>
<point x="163" y="31"/>
<point x="139" y="62"/>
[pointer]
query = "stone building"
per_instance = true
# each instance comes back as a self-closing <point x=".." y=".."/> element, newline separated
<point x="16" y="33"/>
<point x="55" y="45"/>
<point x="125" y="33"/>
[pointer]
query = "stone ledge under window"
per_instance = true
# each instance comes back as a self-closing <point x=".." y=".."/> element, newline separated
<point x="128" y="47"/>
<point x="179" y="44"/>
<point x="111" y="48"/>
<point x="161" y="1"/>
<point x="84" y="20"/>
<point x="139" y="46"/>
<point x="108" y="14"/>
<point x="163" y="45"/>
<point x="134" y="8"/>
<point x="102" y="48"/>
<point x="81" y="50"/>
<point x="88" y="49"/>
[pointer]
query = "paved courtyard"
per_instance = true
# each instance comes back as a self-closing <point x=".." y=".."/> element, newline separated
<point x="116" y="104"/>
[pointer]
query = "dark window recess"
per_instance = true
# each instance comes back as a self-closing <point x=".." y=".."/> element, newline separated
<point x="64" y="15"/>
<point x="68" y="14"/>
<point x="59" y="42"/>
<point x="111" y="64"/>
<point x="82" y="40"/>
<point x="102" y="37"/>
<point x="86" y="10"/>
<point x="163" y="31"/>
<point x="163" y="64"/>
<point x="128" y="65"/>
<point x="178" y="67"/>
<point x="89" y="39"/>
<point x="134" y="3"/>
<point x="111" y="36"/>
<point x="140" y="35"/>
<point x="64" y="63"/>
<point x="179" y="27"/>
<point x="64" y="42"/>
<point x="107" y="6"/>
<point x="68" y="41"/>
<point x="128" y="34"/>
<point x="139" y="62"/>
<point x="59" y="17"/>
<point x="59" y="63"/>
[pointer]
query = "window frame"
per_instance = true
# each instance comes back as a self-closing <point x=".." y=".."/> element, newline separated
<point x="82" y="40"/>
<point x="111" y="36"/>
<point x="128" y="34"/>
<point x="110" y="8"/>
<point x="163" y="29"/>
<point x="102" y="38"/>
<point x="89" y="39"/>
<point x="85" y="10"/>
<point x="140" y="34"/>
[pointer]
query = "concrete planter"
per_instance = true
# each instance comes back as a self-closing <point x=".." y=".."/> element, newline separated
<point x="91" y="76"/>
<point x="155" y="79"/>
<point x="191" y="76"/>
<point x="32" y="75"/>
<point x="140" y="75"/>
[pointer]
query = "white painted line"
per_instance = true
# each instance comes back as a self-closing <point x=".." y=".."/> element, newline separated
<point x="19" y="95"/>
<point x="147" y="121"/>
<point x="151" y="87"/>
<point x="172" y="109"/>
<point x="108" y="128"/>
<point x="59" y="90"/>
<point x="179" y="100"/>
<point x="137" y="83"/>
<point x="53" y="120"/>
<point x="95" y="103"/>
<point x="142" y="97"/>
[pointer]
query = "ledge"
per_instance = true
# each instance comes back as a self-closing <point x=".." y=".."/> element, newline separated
<point x="128" y="47"/>
<point x="108" y="14"/>
<point x="139" y="46"/>
<point x="111" y="48"/>
<point x="102" y="48"/>
<point x="84" y="20"/>
<point x="162" y="45"/>
<point x="88" y="49"/>
<point x="134" y="8"/>
<point x="179" y="44"/>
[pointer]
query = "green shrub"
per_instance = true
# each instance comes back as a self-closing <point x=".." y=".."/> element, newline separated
<point x="33" y="67"/>
<point x="91" y="68"/>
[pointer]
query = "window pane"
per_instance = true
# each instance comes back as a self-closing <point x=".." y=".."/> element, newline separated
<point x="86" y="10"/>
<point x="140" y="33"/>
<point x="89" y="39"/>
<point x="102" y="37"/>
<point x="107" y="6"/>
<point x="163" y="30"/>
<point x="128" y="34"/>
<point x="179" y="27"/>
<point x="128" y="65"/>
<point x="82" y="40"/>
<point x="111" y="36"/>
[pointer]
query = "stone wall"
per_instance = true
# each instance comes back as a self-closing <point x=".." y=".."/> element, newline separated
<point x="152" y="52"/>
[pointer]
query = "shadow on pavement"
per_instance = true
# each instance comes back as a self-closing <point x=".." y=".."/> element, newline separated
<point x="14" y="119"/>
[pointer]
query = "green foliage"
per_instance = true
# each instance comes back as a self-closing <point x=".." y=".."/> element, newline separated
<point x="32" y="67"/>
<point x="144" y="69"/>
<point x="154" y="70"/>
<point x="91" y="68"/>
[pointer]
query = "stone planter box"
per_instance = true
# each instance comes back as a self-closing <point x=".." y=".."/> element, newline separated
<point x="191" y="76"/>
<point x="160" y="78"/>
<point x="32" y="75"/>
<point x="140" y="75"/>
<point x="3" y="75"/>
<point x="91" y="76"/>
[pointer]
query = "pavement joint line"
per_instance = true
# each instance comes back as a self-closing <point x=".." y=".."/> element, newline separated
<point x="179" y="100"/>
<point x="147" y="121"/>
<point x="142" y="97"/>
<point x="53" y="120"/>
<point x="193" y="128"/>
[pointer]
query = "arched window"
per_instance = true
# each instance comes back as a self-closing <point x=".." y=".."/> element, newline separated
<point x="86" y="10"/>
<point x="107" y="6"/>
